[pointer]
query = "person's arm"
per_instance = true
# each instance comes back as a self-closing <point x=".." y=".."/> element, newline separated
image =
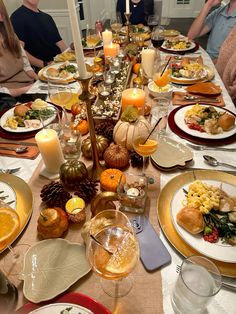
<point x="14" y="92"/>
<point x="26" y="65"/>
<point x="61" y="45"/>
<point x="199" y="28"/>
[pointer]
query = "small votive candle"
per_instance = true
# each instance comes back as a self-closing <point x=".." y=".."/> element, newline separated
<point x="111" y="50"/>
<point x="50" y="149"/>
<point x="106" y="37"/>
<point x="133" y="96"/>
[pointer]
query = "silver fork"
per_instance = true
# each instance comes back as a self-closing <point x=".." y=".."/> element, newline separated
<point x="201" y="147"/>
<point x="224" y="284"/>
<point x="10" y="171"/>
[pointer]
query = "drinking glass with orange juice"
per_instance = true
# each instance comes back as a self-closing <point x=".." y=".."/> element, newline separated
<point x="162" y="76"/>
<point x="112" y="251"/>
<point x="145" y="142"/>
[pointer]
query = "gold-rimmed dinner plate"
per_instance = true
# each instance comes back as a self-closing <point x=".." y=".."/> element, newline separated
<point x="164" y="213"/>
<point x="23" y="197"/>
<point x="207" y="75"/>
<point x="44" y="76"/>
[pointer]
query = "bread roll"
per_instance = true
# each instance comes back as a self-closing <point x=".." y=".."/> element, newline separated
<point x="191" y="219"/>
<point x="20" y="110"/>
<point x="52" y="72"/>
<point x="226" y="121"/>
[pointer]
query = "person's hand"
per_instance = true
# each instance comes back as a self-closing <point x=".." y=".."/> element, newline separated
<point x="19" y="91"/>
<point x="213" y="3"/>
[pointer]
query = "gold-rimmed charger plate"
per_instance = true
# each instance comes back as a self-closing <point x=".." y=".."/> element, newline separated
<point x="42" y="77"/>
<point x="24" y="200"/>
<point x="184" y="81"/>
<point x="164" y="212"/>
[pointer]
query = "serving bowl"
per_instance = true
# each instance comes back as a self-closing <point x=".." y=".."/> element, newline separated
<point x="155" y="91"/>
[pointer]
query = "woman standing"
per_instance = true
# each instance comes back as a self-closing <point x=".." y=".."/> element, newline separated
<point x="16" y="74"/>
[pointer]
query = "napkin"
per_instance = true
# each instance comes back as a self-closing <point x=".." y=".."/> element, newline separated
<point x="178" y="99"/>
<point x="31" y="153"/>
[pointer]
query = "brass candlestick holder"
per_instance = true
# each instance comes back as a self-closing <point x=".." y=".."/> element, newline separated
<point x="96" y="168"/>
<point x="127" y="17"/>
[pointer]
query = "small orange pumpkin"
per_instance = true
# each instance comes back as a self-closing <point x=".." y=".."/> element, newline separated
<point x="110" y="179"/>
<point x="52" y="223"/>
<point x="82" y="127"/>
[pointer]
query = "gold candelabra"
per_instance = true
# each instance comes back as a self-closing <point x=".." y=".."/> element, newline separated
<point x="96" y="168"/>
<point x="127" y="17"/>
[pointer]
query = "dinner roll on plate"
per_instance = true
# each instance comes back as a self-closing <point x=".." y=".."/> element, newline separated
<point x="191" y="219"/>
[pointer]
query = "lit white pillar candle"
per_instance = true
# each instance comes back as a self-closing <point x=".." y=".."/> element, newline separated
<point x="79" y="54"/>
<point x="50" y="149"/>
<point x="106" y="37"/>
<point x="127" y="7"/>
<point x="147" y="61"/>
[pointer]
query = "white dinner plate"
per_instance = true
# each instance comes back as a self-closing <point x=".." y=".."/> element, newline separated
<point x="56" y="66"/>
<point x="92" y="48"/>
<point x="56" y="261"/>
<point x="9" y="113"/>
<point x="60" y="307"/>
<point x="179" y="120"/>
<point x="192" y="46"/>
<point x="145" y="29"/>
<point x="219" y="251"/>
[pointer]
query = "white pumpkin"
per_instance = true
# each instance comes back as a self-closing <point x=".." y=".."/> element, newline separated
<point x="123" y="132"/>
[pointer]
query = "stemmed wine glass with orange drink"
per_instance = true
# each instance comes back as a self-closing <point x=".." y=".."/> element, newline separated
<point x="162" y="76"/>
<point x="93" y="37"/>
<point x="145" y="142"/>
<point x="112" y="251"/>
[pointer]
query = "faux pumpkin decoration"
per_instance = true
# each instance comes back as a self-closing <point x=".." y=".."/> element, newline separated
<point x="123" y="131"/>
<point x="72" y="172"/>
<point x="52" y="223"/>
<point x="116" y="156"/>
<point x="82" y="127"/>
<point x="102" y="144"/>
<point x="110" y="179"/>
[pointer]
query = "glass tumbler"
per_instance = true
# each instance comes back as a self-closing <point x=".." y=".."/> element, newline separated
<point x="199" y="280"/>
<point x="159" y="110"/>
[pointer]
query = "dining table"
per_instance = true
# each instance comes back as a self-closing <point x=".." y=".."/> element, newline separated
<point x="151" y="291"/>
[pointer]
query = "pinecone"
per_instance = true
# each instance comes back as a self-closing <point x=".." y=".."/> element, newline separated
<point x="136" y="160"/>
<point x="86" y="189"/>
<point x="54" y="195"/>
<point x="105" y="128"/>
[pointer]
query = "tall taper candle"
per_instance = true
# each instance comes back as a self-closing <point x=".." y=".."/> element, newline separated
<point x="76" y="38"/>
<point x="127" y="8"/>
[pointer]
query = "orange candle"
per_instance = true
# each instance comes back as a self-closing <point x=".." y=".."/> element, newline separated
<point x="133" y="96"/>
<point x="111" y="50"/>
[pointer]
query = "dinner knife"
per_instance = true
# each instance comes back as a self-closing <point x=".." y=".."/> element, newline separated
<point x="18" y="143"/>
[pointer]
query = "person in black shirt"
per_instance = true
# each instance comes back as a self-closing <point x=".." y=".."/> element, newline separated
<point x="140" y="10"/>
<point x="38" y="33"/>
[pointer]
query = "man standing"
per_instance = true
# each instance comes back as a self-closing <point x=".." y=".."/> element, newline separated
<point x="219" y="23"/>
<point x="38" y="33"/>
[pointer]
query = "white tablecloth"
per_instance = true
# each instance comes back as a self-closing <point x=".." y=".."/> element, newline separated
<point x="225" y="301"/>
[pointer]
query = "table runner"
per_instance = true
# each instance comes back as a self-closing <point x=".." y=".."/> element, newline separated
<point x="146" y="294"/>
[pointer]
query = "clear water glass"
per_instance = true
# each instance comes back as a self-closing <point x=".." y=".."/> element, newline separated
<point x="159" y="110"/>
<point x="198" y="281"/>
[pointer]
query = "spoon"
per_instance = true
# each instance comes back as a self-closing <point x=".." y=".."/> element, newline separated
<point x="190" y="97"/>
<point x="18" y="150"/>
<point x="214" y="162"/>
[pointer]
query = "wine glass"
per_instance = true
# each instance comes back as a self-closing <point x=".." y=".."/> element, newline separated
<point x="116" y="24"/>
<point x="145" y="142"/>
<point x="93" y="37"/>
<point x="112" y="251"/>
<point x="61" y="95"/>
<point x="51" y="122"/>
<point x="157" y="37"/>
<point x="13" y="261"/>
<point x="152" y="21"/>
<point x="162" y="75"/>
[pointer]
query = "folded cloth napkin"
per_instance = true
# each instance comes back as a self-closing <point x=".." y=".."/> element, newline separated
<point x="179" y="100"/>
<point x="31" y="153"/>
